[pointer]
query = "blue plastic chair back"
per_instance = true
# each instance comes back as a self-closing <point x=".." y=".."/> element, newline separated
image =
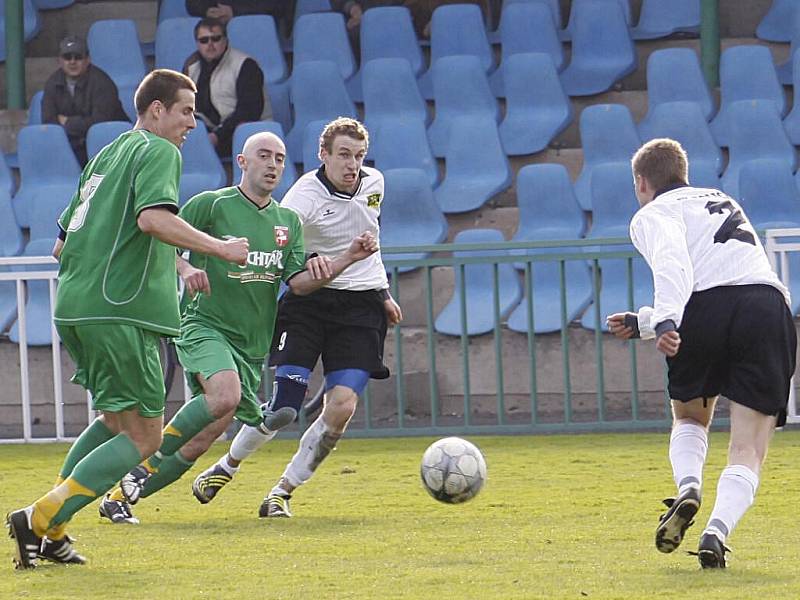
<point x="307" y="7"/>
<point x="311" y="137"/>
<point x="785" y="69"/>
<point x="171" y="9"/>
<point x="614" y="290"/>
<point x="52" y="4"/>
<point x="317" y="93"/>
<point x="608" y="134"/>
<point x="659" y="19"/>
<point x="102" y="134"/>
<point x="756" y="132"/>
<point x="471" y="177"/>
<point x="674" y="75"/>
<point x="602" y="48"/>
<point x="746" y="73"/>
<point x="7" y="182"/>
<point x="409" y="214"/>
<point x="792" y="121"/>
<point x="613" y="200"/>
<point x="202" y="168"/>
<point x="776" y="25"/>
<point x="768" y="194"/>
<point x="30" y="24"/>
<point x="38" y="315"/>
<point x="458" y="29"/>
<point x="257" y="36"/>
<point x="402" y="144"/>
<point x="47" y="204"/>
<point x="461" y="90"/>
<point x="548" y="209"/>
<point x="35" y="109"/>
<point x="175" y="42"/>
<point x="240" y="135"/>
<point x="390" y="91"/>
<point x="537" y="109"/>
<point x="11" y="239"/>
<point x="479" y="288"/>
<point x="388" y="32"/>
<point x="577" y="5"/>
<point x="323" y="37"/>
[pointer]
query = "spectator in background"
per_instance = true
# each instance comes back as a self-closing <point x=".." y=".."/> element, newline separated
<point x="79" y="95"/>
<point x="230" y="85"/>
<point x="225" y="10"/>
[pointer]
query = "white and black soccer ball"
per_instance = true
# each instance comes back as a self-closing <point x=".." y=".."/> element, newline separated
<point x="453" y="470"/>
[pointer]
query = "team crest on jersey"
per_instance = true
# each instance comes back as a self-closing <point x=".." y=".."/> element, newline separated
<point x="281" y="235"/>
<point x="374" y="200"/>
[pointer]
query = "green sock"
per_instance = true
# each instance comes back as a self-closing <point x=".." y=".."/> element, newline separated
<point x="92" y="477"/>
<point x="94" y="435"/>
<point x="190" y="420"/>
<point x="171" y="469"/>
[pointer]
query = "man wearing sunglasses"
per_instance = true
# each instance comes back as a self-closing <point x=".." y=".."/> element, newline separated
<point x="79" y="95"/>
<point x="230" y="85"/>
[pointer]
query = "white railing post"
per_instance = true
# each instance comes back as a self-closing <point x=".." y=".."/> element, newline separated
<point x="24" y="372"/>
<point x="58" y="395"/>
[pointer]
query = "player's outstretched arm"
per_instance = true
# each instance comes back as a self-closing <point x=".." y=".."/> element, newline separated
<point x="171" y="229"/>
<point x="195" y="280"/>
<point x="321" y="270"/>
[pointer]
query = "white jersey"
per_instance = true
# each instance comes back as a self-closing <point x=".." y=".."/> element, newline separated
<point x="695" y="239"/>
<point x="331" y="219"/>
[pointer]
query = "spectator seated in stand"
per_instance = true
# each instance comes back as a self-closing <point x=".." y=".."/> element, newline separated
<point x="79" y="95"/>
<point x="225" y="10"/>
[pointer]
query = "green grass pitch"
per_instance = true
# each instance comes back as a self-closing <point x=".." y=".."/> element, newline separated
<point x="560" y="517"/>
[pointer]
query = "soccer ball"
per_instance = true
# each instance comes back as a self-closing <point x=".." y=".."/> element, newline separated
<point x="453" y="470"/>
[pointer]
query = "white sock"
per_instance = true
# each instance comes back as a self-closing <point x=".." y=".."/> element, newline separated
<point x="223" y="464"/>
<point x="688" y="446"/>
<point x="317" y="442"/>
<point x="736" y="491"/>
<point x="248" y="440"/>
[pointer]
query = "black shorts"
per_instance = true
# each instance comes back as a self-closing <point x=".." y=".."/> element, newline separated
<point x="347" y="328"/>
<point x="738" y="341"/>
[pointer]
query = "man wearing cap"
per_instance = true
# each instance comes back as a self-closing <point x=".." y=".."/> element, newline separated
<point x="79" y="95"/>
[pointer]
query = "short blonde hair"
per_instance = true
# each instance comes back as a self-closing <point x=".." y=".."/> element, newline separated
<point x="342" y="126"/>
<point x="662" y="162"/>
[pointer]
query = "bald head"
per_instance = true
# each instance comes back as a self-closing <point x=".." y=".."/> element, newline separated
<point x="262" y="162"/>
<point x="263" y="139"/>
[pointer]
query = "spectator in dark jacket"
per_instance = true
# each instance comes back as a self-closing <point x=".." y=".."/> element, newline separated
<point x="225" y="10"/>
<point x="79" y="95"/>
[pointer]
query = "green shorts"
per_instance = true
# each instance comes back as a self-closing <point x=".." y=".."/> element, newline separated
<point x="119" y="364"/>
<point x="205" y="351"/>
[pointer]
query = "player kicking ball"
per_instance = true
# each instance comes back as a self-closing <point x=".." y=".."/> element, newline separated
<point x="721" y="316"/>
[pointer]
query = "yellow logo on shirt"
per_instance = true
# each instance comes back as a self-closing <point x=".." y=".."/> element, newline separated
<point x="374" y="200"/>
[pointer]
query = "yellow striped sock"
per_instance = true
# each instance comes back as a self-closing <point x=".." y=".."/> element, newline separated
<point x="46" y="507"/>
<point x="117" y="495"/>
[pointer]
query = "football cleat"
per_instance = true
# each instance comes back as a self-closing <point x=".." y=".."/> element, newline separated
<point x="711" y="552"/>
<point x="673" y="524"/>
<point x="61" y="551"/>
<point x="277" y="420"/>
<point x="275" y="505"/>
<point x="27" y="542"/>
<point x="133" y="483"/>
<point x="117" y="511"/>
<point x="208" y="484"/>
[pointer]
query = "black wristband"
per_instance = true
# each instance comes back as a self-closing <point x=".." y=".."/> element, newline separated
<point x="665" y="326"/>
<point x="632" y="321"/>
<point x="384" y="293"/>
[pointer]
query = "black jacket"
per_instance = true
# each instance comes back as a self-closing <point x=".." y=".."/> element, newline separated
<point x="95" y="100"/>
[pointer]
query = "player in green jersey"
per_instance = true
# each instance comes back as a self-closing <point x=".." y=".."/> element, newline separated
<point x="225" y="335"/>
<point x="116" y="296"/>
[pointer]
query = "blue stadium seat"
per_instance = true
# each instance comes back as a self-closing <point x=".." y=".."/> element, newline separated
<point x="114" y="47"/>
<point x="607" y="135"/>
<point x="38" y="314"/>
<point x="548" y="210"/>
<point x="746" y="73"/>
<point x="479" y="288"/>
<point x="613" y="200"/>
<point x="457" y="30"/>
<point x="409" y="214"/>
<point x="768" y="194"/>
<point x="525" y="28"/>
<point x="473" y="177"/>
<point x="674" y="75"/>
<point x="614" y="289"/>
<point x="659" y="19"/>
<point x="602" y="48"/>
<point x="52" y="4"/>
<point x="684" y="122"/>
<point x="171" y="9"/>
<point x="244" y="131"/>
<point x="202" y="169"/>
<point x="175" y="42"/>
<point x="47" y="204"/>
<point x="776" y="25"/>
<point x="317" y="93"/>
<point x="461" y="90"/>
<point x="555" y="12"/>
<point x="402" y="144"/>
<point x="11" y="244"/>
<point x="307" y="7"/>
<point x="576" y="8"/>
<point x="785" y="69"/>
<point x="390" y="91"/>
<point x="756" y="132"/>
<point x="323" y="37"/>
<point x="257" y="36"/>
<point x="537" y="109"/>
<point x="7" y="182"/>
<point x="704" y="175"/>
<point x="388" y="32"/>
<point x="35" y="109"/>
<point x="102" y="134"/>
<point x="792" y="121"/>
<point x="34" y="142"/>
<point x="311" y="144"/>
<point x="30" y="24"/>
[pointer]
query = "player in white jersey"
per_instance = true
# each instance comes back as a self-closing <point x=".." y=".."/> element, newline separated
<point x="722" y="318"/>
<point x="345" y="322"/>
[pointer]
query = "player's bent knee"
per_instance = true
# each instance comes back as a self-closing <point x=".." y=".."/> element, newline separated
<point x="289" y="391"/>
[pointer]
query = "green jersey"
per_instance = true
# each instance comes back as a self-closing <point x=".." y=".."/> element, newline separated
<point x="110" y="270"/>
<point x="243" y="301"/>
